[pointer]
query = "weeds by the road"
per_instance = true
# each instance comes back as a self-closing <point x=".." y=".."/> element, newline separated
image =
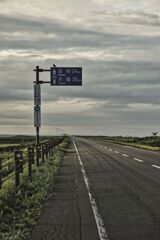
<point x="20" y="210"/>
<point x="148" y="143"/>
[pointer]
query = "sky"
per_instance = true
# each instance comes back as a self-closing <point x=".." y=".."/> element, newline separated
<point x="117" y="43"/>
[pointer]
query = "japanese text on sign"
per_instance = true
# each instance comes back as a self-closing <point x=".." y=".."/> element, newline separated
<point x="62" y="76"/>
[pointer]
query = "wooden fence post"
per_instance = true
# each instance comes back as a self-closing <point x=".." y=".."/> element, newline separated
<point x="0" y="173"/>
<point x="30" y="161"/>
<point x="43" y="152"/>
<point x="37" y="155"/>
<point x="52" y="147"/>
<point x="46" y="146"/>
<point x="49" y="148"/>
<point x="18" y="158"/>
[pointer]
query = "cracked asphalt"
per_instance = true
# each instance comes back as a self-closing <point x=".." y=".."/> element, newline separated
<point x="67" y="214"/>
<point x="125" y="183"/>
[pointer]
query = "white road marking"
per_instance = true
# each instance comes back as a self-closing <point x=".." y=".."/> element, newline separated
<point x="99" y="221"/>
<point x="125" y="155"/>
<point x="138" y="160"/>
<point x="116" y="151"/>
<point x="110" y="149"/>
<point x="155" y="166"/>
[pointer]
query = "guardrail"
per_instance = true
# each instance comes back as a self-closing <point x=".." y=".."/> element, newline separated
<point x="26" y="159"/>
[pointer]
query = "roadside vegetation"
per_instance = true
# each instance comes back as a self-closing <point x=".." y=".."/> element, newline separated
<point x="148" y="143"/>
<point x="19" y="210"/>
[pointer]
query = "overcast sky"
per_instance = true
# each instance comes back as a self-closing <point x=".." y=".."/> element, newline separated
<point x="117" y="42"/>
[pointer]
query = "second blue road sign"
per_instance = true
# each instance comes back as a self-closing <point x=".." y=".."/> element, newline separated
<point x="66" y="76"/>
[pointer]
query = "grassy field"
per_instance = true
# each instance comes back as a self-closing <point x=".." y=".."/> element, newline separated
<point x="20" y="139"/>
<point x="148" y="143"/>
<point x="20" y="209"/>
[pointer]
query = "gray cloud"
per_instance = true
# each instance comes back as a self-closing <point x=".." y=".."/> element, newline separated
<point x="67" y="36"/>
<point x="131" y="17"/>
<point x="120" y="69"/>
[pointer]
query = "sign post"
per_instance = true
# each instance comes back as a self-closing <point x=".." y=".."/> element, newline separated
<point x="37" y="116"/>
<point x="37" y="94"/>
<point x="59" y="76"/>
<point x="37" y="105"/>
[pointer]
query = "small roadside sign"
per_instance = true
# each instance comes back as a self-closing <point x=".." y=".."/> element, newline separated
<point x="66" y="76"/>
<point x="37" y="116"/>
<point x="37" y="94"/>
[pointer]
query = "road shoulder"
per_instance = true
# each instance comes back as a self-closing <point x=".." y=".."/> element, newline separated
<point x="67" y="213"/>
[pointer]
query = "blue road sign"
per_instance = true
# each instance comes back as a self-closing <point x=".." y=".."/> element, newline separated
<point x="66" y="76"/>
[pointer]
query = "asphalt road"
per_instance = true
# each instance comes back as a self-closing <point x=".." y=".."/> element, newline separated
<point x="103" y="191"/>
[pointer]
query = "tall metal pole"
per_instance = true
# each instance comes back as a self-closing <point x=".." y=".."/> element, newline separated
<point x="37" y="128"/>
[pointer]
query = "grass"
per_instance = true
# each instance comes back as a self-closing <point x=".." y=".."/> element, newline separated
<point x="19" y="210"/>
<point x="4" y="145"/>
<point x="147" y="143"/>
<point x="142" y="146"/>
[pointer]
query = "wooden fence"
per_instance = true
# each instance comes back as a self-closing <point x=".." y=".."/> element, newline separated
<point x="26" y="159"/>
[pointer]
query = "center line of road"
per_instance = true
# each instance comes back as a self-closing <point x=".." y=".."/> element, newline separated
<point x="110" y="149"/>
<point x="116" y="151"/>
<point x="125" y="155"/>
<point x="155" y="166"/>
<point x="138" y="160"/>
<point x="99" y="221"/>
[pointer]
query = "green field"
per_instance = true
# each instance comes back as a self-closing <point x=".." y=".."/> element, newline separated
<point x="21" y="206"/>
<point x="149" y="143"/>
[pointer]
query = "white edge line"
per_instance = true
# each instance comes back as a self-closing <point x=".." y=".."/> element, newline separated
<point x="155" y="166"/>
<point x="138" y="160"/>
<point x="99" y="222"/>
<point x="125" y="155"/>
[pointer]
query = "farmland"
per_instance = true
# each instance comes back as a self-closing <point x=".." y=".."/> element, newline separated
<point x="24" y="186"/>
<point x="148" y="143"/>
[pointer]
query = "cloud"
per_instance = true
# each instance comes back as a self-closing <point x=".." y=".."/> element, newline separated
<point x="117" y="44"/>
<point x="141" y="18"/>
<point x="131" y="17"/>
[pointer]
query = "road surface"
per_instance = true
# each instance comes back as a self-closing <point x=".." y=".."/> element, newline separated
<point x="103" y="191"/>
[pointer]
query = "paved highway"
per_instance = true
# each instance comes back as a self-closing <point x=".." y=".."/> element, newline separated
<point x="114" y="194"/>
<point x="126" y="185"/>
